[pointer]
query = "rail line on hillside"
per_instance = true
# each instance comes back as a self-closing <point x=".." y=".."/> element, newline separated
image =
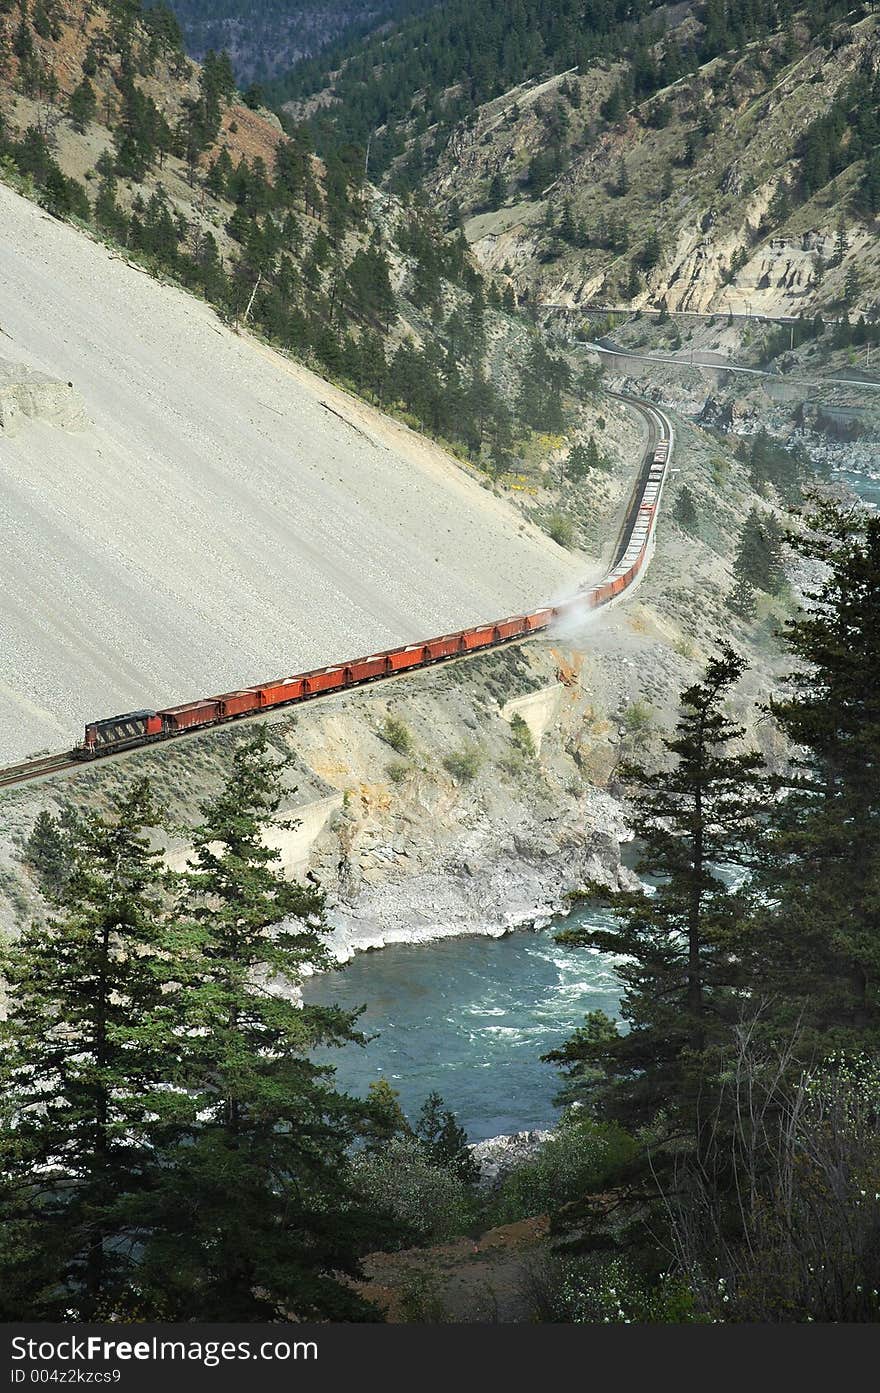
<point x="36" y="768"/>
<point x="632" y="552"/>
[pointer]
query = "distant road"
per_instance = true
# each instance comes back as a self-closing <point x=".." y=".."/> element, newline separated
<point x="748" y="315"/>
<point x="724" y="365"/>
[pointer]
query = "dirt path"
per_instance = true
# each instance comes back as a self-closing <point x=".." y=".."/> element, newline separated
<point x="483" y="1280"/>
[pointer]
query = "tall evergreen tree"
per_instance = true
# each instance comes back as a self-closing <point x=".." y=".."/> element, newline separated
<point x="759" y="557"/>
<point x="82" y="105"/>
<point x="497" y="191"/>
<point x="820" y="939"/>
<point x="678" y="947"/>
<point x="741" y="599"/>
<point x="444" y="1141"/>
<point x="256" y="1216"/>
<point x="79" y="1073"/>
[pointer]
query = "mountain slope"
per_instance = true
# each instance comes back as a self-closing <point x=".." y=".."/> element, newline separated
<point x="222" y="517"/>
<point x="718" y="192"/>
<point x="264" y="38"/>
<point x="710" y="155"/>
<point x="104" y="119"/>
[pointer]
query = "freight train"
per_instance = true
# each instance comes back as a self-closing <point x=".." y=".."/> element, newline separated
<point x="143" y="727"/>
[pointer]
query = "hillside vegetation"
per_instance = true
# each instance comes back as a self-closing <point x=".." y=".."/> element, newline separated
<point x="266" y="38"/>
<point x="105" y="120"/>
<point x="709" y="156"/>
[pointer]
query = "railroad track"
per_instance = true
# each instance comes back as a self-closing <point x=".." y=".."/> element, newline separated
<point x="658" y="426"/>
<point x="36" y="768"/>
<point x="632" y="551"/>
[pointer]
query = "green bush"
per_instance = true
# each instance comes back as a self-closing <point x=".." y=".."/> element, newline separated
<point x="433" y="1202"/>
<point x="609" y="1291"/>
<point x="522" y="736"/>
<point x="638" y="721"/>
<point x="561" y="529"/>
<point x="720" y="469"/>
<point x="464" y="764"/>
<point x="397" y="771"/>
<point x="580" y="1157"/>
<point x="395" y="733"/>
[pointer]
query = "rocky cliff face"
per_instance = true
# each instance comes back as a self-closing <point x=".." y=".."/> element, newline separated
<point x="703" y="164"/>
<point x="29" y="395"/>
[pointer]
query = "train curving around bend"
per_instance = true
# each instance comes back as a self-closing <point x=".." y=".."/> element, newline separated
<point x="143" y="727"/>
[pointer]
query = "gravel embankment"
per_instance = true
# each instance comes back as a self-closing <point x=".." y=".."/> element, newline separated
<point x="214" y="523"/>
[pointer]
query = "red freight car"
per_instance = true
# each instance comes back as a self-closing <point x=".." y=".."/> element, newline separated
<point x="478" y="638"/>
<point x="402" y="658"/>
<point x="538" y="619"/>
<point x="366" y="669"/>
<point x="194" y="713"/>
<point x="323" y="679"/>
<point x="279" y="691"/>
<point x="237" y="703"/>
<point x="444" y="647"/>
<point x="510" y="628"/>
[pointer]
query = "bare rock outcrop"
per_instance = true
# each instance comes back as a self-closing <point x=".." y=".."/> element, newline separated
<point x="29" y="395"/>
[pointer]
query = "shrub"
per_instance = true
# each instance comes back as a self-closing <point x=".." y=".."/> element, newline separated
<point x="395" y="733"/>
<point x="561" y="529"/>
<point x="580" y="1157"/>
<point x="522" y="736"/>
<point x="685" y="509"/>
<point x="464" y="764"/>
<point x="433" y="1202"/>
<point x="397" y="771"/>
<point x="591" y="1291"/>
<point x="720" y="469"/>
<point x="638" y="721"/>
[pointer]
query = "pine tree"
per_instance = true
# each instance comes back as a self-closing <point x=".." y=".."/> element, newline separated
<point x="79" y="1073"/>
<point x="567" y="228"/>
<point x="852" y="287"/>
<point x="444" y="1141"/>
<point x="389" y="1117"/>
<point x="497" y="191"/>
<point x="633" y="282"/>
<point x="821" y="941"/>
<point x="685" y="509"/>
<point x="759" y="557"/>
<point x="678" y="947"/>
<point x="651" y="250"/>
<point x="45" y="854"/>
<point x="82" y="105"/>
<point x="741" y="599"/>
<point x="257" y="1216"/>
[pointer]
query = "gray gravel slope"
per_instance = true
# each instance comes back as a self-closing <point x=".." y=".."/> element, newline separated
<point x="214" y="524"/>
